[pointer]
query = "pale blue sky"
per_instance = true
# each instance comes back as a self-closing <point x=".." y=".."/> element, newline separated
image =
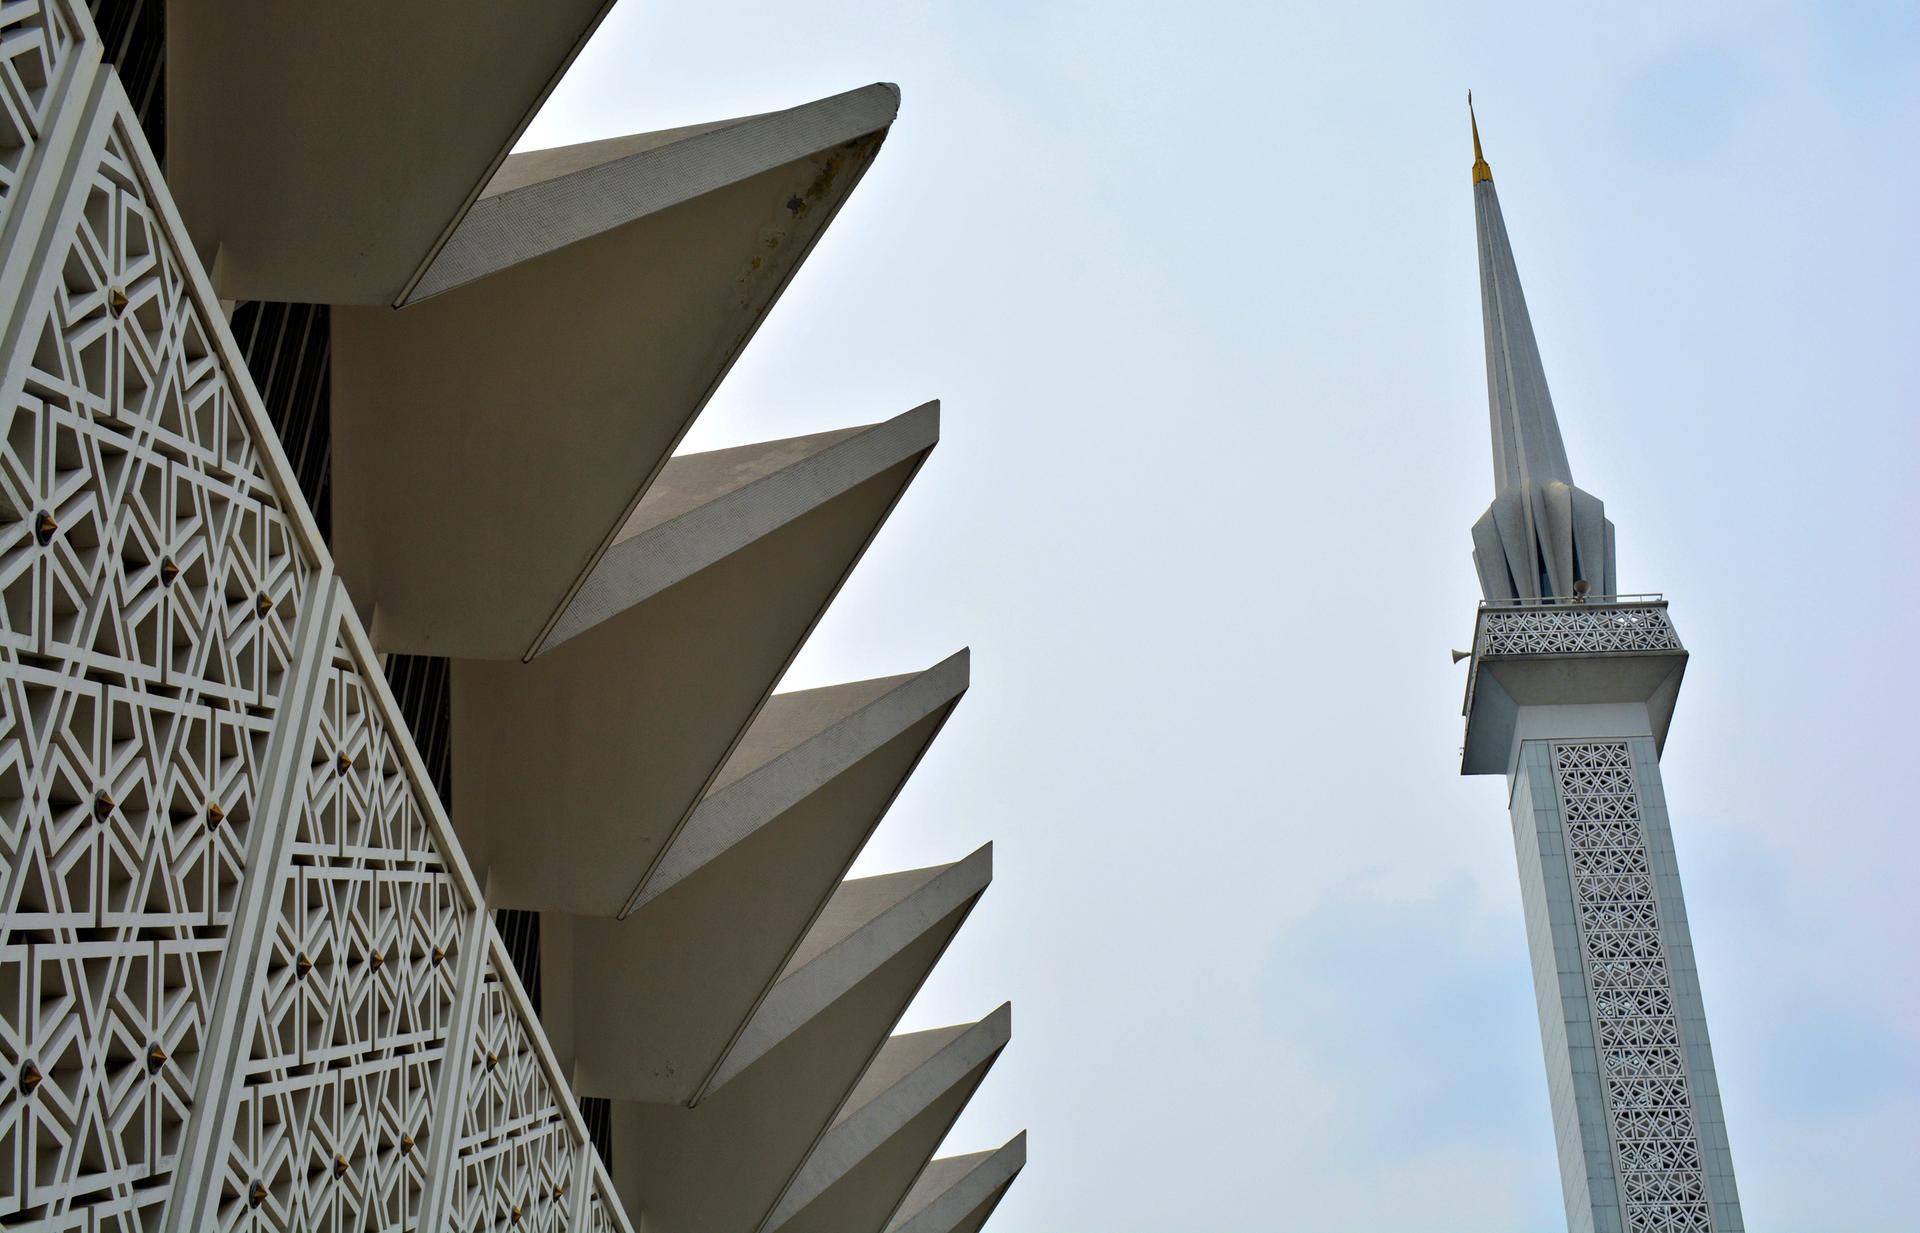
<point x="1196" y="283"/>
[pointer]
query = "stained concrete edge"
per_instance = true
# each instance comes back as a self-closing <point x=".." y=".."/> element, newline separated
<point x="579" y="198"/>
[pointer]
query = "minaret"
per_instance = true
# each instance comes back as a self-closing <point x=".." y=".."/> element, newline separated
<point x="1569" y="695"/>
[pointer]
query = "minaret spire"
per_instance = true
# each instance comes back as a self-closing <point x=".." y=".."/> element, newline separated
<point x="1480" y="169"/>
<point x="1542" y="534"/>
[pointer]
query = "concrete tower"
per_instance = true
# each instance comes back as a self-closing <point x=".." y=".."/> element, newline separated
<point x="1569" y="695"/>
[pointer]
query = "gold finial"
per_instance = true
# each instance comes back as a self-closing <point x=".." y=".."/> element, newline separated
<point x="1480" y="169"/>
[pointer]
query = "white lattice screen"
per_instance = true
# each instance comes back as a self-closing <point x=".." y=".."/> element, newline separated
<point x="1643" y="1071"/>
<point x="245" y="977"/>
<point x="1575" y="629"/>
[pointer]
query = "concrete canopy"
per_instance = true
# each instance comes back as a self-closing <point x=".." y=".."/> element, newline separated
<point x="956" y="1194"/>
<point x="610" y="739"/>
<point x="703" y="507"/>
<point x="721" y="1165"/>
<point x="657" y="998"/>
<point x="489" y="443"/>
<point x="881" y="1140"/>
<point x="858" y="931"/>
<point x="802" y="743"/>
<point x="321" y="152"/>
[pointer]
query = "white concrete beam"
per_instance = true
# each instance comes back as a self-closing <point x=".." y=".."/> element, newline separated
<point x="705" y="506"/>
<point x="491" y="442"/>
<point x="659" y="997"/>
<point x="956" y="1194"/>
<point x="721" y="1165"/>
<point x="800" y="742"/>
<point x="575" y="772"/>
<point x="322" y="152"/>
<point x="859" y="930"/>
<point x="544" y="200"/>
<point x="881" y="1140"/>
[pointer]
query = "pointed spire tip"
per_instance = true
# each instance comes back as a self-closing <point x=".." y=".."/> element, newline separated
<point x="1480" y="169"/>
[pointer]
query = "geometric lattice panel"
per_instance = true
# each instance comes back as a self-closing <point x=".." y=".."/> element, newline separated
<point x="601" y="1206"/>
<point x="1576" y="629"/>
<point x="1650" y="1116"/>
<point x="174" y="837"/>
<point x="36" y="39"/>
<point x="149" y="578"/>
<point x="356" y="1002"/>
<point x="519" y="1161"/>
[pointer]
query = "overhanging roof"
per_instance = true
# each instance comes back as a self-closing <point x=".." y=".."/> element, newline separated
<point x="704" y="507"/>
<point x="543" y="200"/>
<point x="857" y="1175"/>
<point x="956" y="1194"/>
<point x="322" y="151"/>
<point x="721" y="1165"/>
<point x="801" y="742"/>
<point x="610" y="739"/>
<point x="489" y="443"/>
<point x="861" y="928"/>
<point x="659" y="997"/>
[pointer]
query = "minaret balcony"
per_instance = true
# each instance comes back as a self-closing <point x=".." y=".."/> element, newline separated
<point x="1600" y="652"/>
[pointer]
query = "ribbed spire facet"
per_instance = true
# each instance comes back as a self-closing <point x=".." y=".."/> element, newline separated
<point x="1526" y="436"/>
<point x="1542" y="534"/>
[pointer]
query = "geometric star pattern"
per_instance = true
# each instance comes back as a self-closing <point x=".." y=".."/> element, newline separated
<point x="155" y="562"/>
<point x="518" y="1163"/>
<point x="1575" y="629"/>
<point x="36" y="42"/>
<point x="348" y="1034"/>
<point x="1643" y="1072"/>
<point x="149" y="579"/>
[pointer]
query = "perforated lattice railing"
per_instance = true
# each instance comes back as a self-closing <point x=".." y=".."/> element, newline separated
<point x="1643" y="1072"/>
<point x="1575" y="629"/>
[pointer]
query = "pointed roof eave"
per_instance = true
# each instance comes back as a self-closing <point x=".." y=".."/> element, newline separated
<point x="543" y="200"/>
<point x="360" y="128"/>
<point x="491" y="441"/>
<point x="703" y="506"/>
<point x="955" y="1194"/>
<point x="724" y="1161"/>
<point x="798" y="742"/>
<point x="645" y="707"/>
<point x="867" y="921"/>
<point x="864" y="1166"/>
<point x="703" y="955"/>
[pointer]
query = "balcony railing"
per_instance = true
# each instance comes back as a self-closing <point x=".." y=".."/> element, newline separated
<point x="1593" y="625"/>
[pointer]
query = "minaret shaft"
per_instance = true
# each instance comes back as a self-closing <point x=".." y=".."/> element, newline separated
<point x="1570" y="692"/>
